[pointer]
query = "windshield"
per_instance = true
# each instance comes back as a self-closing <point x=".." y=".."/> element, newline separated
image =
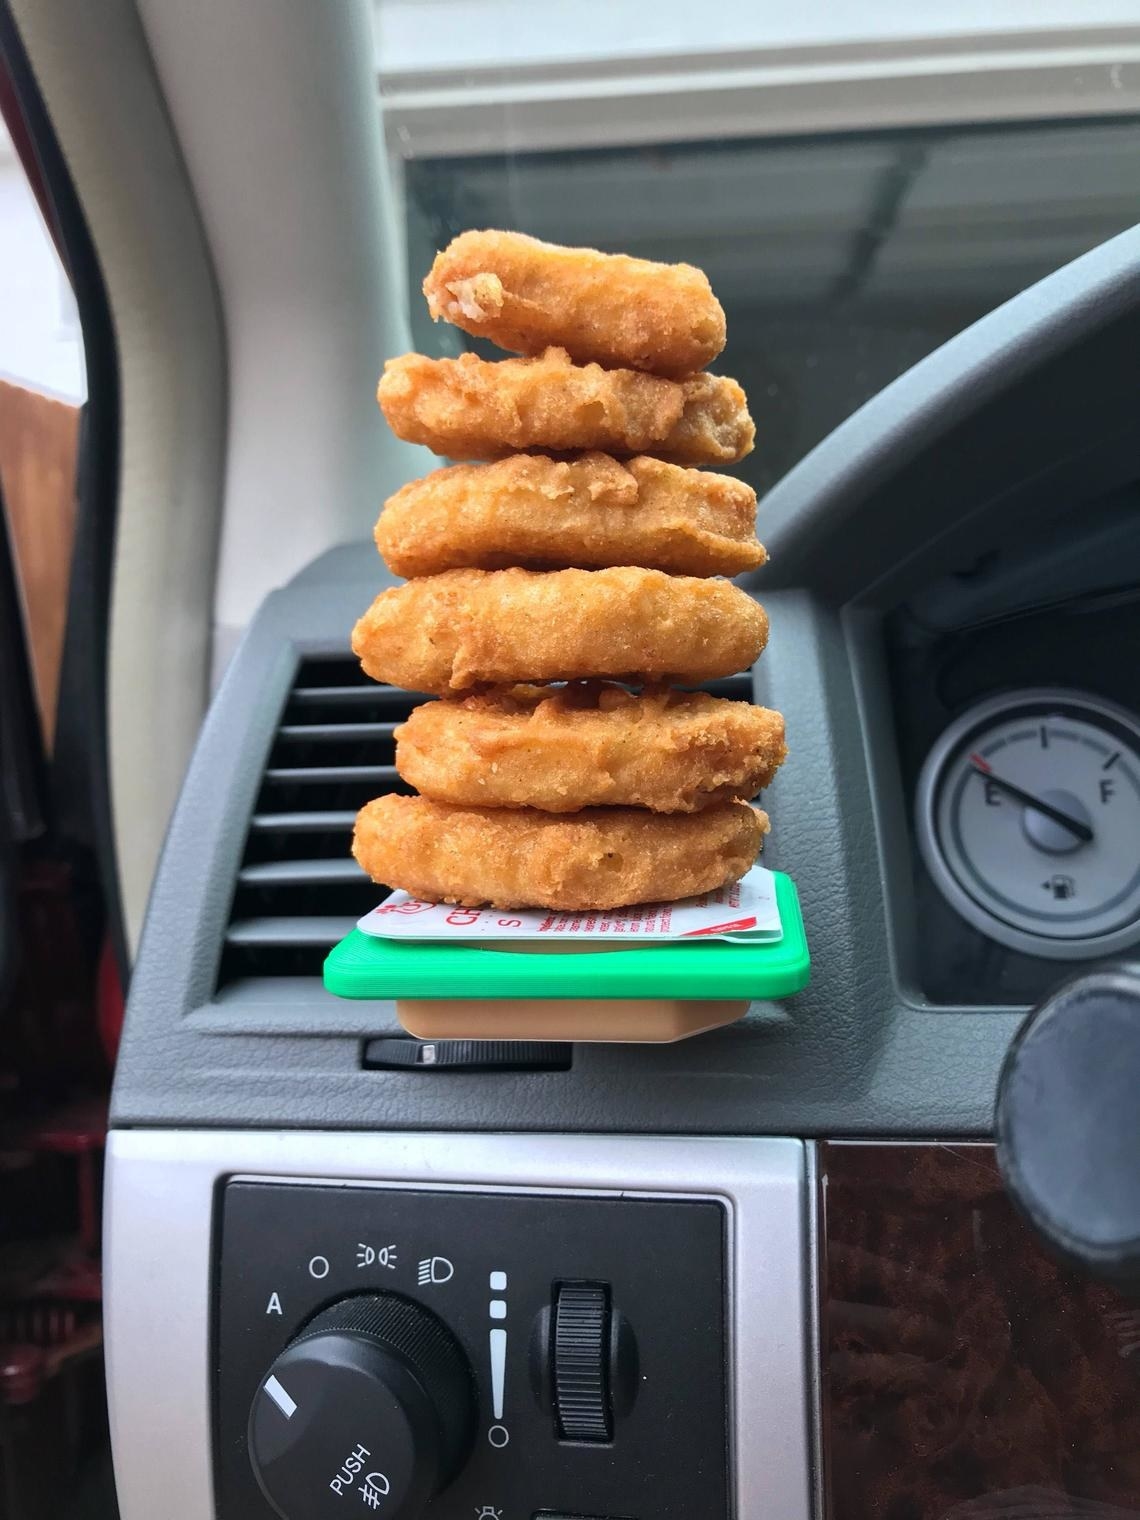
<point x="841" y="256"/>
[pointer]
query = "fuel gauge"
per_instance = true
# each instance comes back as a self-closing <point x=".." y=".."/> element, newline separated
<point x="1028" y="818"/>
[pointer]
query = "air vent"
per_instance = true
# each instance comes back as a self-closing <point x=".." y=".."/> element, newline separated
<point x="298" y="889"/>
<point x="738" y="687"/>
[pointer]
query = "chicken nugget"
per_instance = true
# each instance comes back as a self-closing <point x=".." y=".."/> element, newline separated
<point x="590" y="745"/>
<point x="466" y="628"/>
<point x="537" y="512"/>
<point x="467" y="408"/>
<point x="607" y="308"/>
<point x="599" y="858"/>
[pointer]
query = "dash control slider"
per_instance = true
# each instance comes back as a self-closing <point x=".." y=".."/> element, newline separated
<point x="584" y="1362"/>
<point x="581" y="1362"/>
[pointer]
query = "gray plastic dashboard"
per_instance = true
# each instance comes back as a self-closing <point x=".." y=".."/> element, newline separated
<point x="1026" y="416"/>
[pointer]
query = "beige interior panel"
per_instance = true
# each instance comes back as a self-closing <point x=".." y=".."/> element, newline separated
<point x="254" y="271"/>
<point x="113" y="128"/>
<point x="290" y="174"/>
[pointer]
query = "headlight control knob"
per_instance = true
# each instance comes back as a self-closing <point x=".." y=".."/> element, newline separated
<point x="373" y="1400"/>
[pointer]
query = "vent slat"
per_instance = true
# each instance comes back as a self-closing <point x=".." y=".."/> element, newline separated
<point x="299" y="873"/>
<point x="262" y="933"/>
<point x="351" y="696"/>
<point x="363" y="693"/>
<point x="315" y="775"/>
<point x="298" y="890"/>
<point x="315" y="733"/>
<point x="303" y="823"/>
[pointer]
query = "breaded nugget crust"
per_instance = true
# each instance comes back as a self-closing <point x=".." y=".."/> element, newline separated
<point x="468" y="408"/>
<point x="469" y="628"/>
<point x="534" y="511"/>
<point x="526" y="295"/>
<point x="600" y="858"/>
<point x="590" y="745"/>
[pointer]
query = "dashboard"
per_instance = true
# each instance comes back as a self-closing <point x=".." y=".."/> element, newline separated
<point x="776" y="1271"/>
<point x="1016" y="710"/>
<point x="481" y="1250"/>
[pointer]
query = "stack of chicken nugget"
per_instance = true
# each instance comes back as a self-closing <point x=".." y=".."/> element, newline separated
<point x="560" y="593"/>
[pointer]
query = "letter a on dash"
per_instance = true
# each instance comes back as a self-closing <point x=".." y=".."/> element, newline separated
<point x="274" y="1305"/>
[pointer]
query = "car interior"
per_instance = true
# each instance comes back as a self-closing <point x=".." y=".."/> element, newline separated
<point x="868" y="1249"/>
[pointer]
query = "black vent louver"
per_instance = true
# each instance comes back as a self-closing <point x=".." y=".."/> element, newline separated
<point x="298" y="889"/>
<point x="738" y="687"/>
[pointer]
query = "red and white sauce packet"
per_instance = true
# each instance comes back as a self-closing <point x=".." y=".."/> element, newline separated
<point x="746" y="911"/>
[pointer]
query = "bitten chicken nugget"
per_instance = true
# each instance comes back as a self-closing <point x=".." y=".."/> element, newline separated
<point x="468" y="628"/>
<point x="599" y="858"/>
<point x="468" y="408"/>
<point x="608" y="308"/>
<point x="537" y="512"/>
<point x="589" y="745"/>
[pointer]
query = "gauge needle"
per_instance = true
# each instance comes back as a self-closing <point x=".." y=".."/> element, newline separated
<point x="1074" y="825"/>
